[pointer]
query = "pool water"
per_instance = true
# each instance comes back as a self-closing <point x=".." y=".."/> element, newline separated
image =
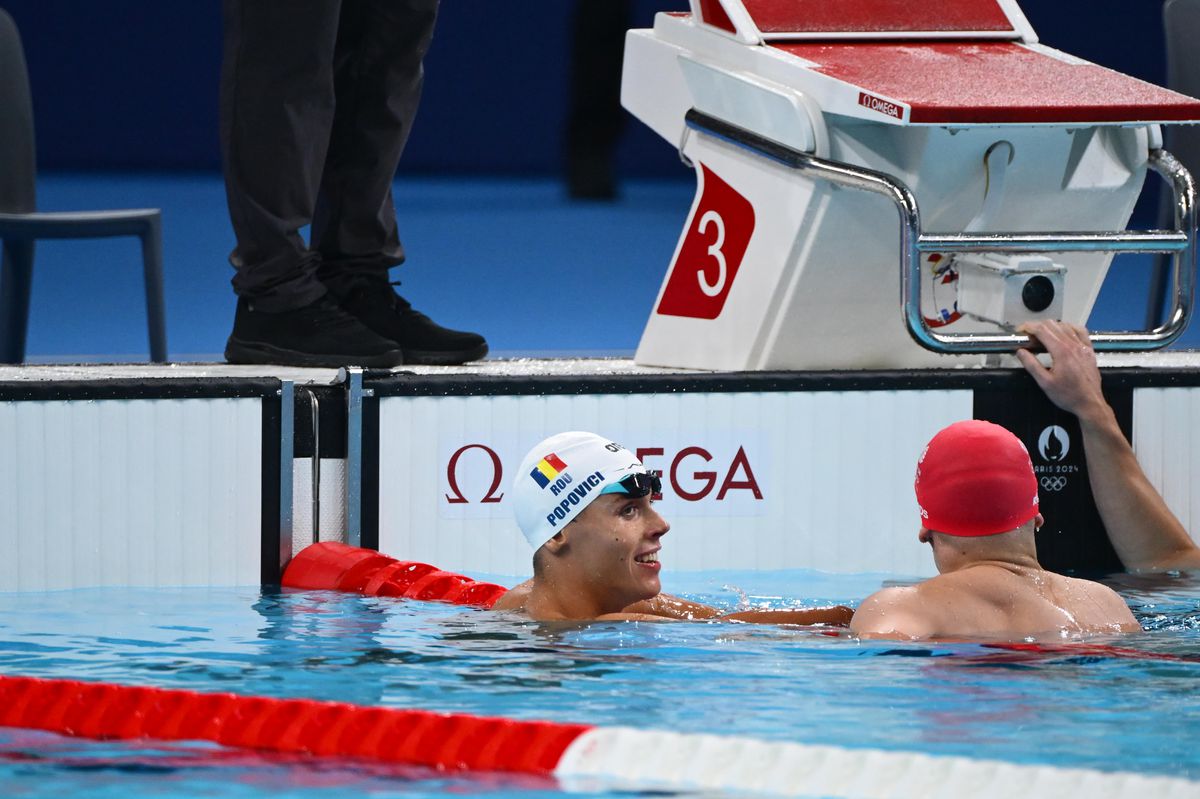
<point x="1137" y="708"/>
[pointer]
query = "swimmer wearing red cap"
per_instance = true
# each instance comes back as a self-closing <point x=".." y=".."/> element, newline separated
<point x="979" y="510"/>
<point x="1144" y="532"/>
<point x="584" y="503"/>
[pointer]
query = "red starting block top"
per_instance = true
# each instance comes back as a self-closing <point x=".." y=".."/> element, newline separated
<point x="946" y="83"/>
<point x="867" y="19"/>
<point x="867" y="16"/>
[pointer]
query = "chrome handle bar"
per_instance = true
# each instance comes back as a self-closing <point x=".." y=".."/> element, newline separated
<point x="1180" y="243"/>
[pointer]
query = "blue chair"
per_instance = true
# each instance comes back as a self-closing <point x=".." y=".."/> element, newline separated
<point x="21" y="226"/>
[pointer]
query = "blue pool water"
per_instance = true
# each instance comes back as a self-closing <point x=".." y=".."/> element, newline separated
<point x="788" y="684"/>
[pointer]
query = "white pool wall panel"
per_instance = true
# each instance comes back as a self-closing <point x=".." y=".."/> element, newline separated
<point x="130" y="492"/>
<point x="834" y="469"/>
<point x="331" y="526"/>
<point x="1165" y="424"/>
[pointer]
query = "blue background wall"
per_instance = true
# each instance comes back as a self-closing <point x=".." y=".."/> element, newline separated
<point x="126" y="100"/>
<point x="132" y="84"/>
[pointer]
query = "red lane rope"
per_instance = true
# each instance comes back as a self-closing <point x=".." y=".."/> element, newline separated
<point x="1092" y="650"/>
<point x="332" y="566"/>
<point x="417" y="737"/>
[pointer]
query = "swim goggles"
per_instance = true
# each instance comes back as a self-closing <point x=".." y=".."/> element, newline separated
<point x="641" y="484"/>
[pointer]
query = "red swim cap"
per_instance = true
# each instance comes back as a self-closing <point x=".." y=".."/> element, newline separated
<point x="975" y="478"/>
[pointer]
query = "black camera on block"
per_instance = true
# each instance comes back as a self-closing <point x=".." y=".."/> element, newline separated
<point x="1010" y="289"/>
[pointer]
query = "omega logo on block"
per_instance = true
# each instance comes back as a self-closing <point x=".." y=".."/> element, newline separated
<point x="718" y="235"/>
<point x="881" y="105"/>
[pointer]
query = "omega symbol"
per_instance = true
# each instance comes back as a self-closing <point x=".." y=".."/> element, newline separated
<point x="452" y="476"/>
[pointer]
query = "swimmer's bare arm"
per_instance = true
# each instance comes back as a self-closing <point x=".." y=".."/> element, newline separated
<point x="517" y="598"/>
<point x="1143" y="530"/>
<point x="674" y="607"/>
<point x="663" y="607"/>
<point x="624" y="616"/>
<point x="836" y="616"/>
<point x="892" y="613"/>
<point x="666" y="607"/>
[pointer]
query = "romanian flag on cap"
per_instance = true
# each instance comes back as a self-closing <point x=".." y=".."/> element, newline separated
<point x="547" y="469"/>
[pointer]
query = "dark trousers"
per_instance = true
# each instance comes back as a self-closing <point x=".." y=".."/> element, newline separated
<point x="595" y="118"/>
<point x="317" y="101"/>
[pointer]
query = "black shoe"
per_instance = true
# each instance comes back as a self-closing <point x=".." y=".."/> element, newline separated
<point x="373" y="302"/>
<point x="320" y="334"/>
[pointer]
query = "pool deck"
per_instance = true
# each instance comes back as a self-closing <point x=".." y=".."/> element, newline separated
<point x="499" y="367"/>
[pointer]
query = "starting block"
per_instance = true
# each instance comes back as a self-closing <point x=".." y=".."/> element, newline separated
<point x="812" y="126"/>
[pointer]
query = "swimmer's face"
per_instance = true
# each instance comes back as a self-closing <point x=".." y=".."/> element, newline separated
<point x="616" y="542"/>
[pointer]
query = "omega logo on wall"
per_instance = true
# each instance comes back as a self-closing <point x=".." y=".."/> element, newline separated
<point x="475" y="476"/>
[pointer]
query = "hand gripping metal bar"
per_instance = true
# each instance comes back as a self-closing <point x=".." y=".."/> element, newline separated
<point x="1180" y="243"/>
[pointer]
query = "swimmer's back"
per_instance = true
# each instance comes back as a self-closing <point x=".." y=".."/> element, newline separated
<point x="991" y="601"/>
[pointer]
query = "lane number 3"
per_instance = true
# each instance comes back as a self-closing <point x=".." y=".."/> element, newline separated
<point x="711" y="252"/>
<point x="714" y="250"/>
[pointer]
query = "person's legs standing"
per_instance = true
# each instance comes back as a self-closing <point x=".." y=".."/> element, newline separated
<point x="277" y="109"/>
<point x="378" y="76"/>
<point x="595" y="117"/>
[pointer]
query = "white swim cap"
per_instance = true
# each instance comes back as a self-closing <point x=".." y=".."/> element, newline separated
<point x="561" y="476"/>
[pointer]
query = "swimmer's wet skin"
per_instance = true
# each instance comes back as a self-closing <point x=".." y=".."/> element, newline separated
<point x="585" y="504"/>
<point x="979" y="511"/>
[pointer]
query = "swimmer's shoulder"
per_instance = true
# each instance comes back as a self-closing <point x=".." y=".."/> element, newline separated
<point x="1109" y="607"/>
<point x="895" y="612"/>
<point x="515" y="597"/>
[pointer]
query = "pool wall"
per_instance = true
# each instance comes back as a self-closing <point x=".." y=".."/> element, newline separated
<point x="170" y="480"/>
<point x="105" y="483"/>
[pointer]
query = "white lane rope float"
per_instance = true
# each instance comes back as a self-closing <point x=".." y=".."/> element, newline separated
<point x="578" y="756"/>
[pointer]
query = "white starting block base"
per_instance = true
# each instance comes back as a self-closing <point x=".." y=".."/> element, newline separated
<point x="819" y="283"/>
<point x="990" y="131"/>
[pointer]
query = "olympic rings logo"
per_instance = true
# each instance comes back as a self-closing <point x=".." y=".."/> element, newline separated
<point x="1056" y="483"/>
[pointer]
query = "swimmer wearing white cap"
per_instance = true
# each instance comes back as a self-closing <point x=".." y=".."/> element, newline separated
<point x="584" y="503"/>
